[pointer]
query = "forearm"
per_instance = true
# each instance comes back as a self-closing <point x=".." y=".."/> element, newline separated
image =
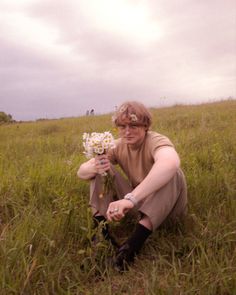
<point x="154" y="181"/>
<point x="98" y="165"/>
<point x="160" y="174"/>
<point x="87" y="170"/>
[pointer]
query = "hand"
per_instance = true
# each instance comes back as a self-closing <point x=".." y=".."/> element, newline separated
<point x="117" y="210"/>
<point x="102" y="164"/>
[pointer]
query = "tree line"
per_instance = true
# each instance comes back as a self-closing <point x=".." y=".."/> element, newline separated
<point x="6" y="118"/>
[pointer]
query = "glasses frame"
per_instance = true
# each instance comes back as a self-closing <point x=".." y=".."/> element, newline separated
<point x="131" y="126"/>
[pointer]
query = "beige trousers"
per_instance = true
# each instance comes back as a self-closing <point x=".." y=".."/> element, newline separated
<point x="168" y="203"/>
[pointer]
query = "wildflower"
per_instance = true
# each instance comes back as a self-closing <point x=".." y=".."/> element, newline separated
<point x="122" y="109"/>
<point x="133" y="118"/>
<point x="98" y="144"/>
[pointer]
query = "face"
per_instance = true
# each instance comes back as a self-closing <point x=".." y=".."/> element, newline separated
<point x="131" y="134"/>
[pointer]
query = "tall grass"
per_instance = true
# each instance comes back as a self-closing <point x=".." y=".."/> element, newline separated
<point x="45" y="222"/>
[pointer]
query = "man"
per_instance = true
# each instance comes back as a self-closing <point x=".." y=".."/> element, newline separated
<point x="155" y="183"/>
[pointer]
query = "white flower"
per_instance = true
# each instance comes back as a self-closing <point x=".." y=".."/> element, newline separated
<point x="85" y="135"/>
<point x="133" y="118"/>
<point x="97" y="143"/>
<point x="122" y="109"/>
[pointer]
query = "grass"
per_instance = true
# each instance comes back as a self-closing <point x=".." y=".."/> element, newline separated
<point x="45" y="222"/>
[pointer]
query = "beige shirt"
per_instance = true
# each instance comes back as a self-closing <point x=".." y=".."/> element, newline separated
<point x="136" y="163"/>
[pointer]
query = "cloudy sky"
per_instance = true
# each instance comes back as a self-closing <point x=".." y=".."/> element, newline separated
<point x="59" y="58"/>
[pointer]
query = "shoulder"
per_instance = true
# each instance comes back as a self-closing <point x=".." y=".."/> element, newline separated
<point x="156" y="140"/>
<point x="155" y="137"/>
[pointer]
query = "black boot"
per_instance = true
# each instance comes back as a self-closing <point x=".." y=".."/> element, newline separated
<point x="105" y="230"/>
<point x="127" y="252"/>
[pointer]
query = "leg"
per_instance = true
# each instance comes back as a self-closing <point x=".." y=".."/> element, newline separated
<point x="98" y="219"/>
<point x="132" y="246"/>
<point x="169" y="202"/>
<point x="99" y="205"/>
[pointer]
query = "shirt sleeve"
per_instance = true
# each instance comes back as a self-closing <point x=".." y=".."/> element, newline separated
<point x="158" y="141"/>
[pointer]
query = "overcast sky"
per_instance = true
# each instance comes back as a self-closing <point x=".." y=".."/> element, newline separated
<point x="59" y="58"/>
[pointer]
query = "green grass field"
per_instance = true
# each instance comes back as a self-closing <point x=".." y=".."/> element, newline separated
<point x="45" y="222"/>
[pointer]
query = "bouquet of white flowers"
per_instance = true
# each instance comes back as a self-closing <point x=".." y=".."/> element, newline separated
<point x="98" y="144"/>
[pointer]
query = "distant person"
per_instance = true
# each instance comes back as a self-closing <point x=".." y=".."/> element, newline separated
<point x="87" y="112"/>
<point x="92" y="112"/>
<point x="156" y="185"/>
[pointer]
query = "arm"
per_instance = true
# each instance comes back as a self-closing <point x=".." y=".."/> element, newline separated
<point x="164" y="168"/>
<point x="97" y="165"/>
<point x="87" y="170"/>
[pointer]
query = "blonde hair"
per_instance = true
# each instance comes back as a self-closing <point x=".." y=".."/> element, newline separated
<point x="135" y="112"/>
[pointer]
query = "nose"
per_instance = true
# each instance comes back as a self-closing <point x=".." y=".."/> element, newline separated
<point x="127" y="129"/>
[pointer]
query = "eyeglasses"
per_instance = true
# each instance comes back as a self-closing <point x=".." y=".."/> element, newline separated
<point x="123" y="127"/>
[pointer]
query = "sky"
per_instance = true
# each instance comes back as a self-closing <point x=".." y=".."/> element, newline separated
<point x="60" y="58"/>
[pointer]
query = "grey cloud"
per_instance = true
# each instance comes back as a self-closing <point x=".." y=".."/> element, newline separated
<point x="194" y="60"/>
<point x="80" y="32"/>
<point x="17" y="54"/>
<point x="204" y="28"/>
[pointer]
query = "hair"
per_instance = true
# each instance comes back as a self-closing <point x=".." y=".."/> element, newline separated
<point x="135" y="112"/>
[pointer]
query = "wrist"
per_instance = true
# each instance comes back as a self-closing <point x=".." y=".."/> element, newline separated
<point x="130" y="197"/>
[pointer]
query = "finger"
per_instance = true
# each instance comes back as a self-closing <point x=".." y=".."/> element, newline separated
<point x="109" y="215"/>
<point x="118" y="217"/>
<point x="109" y="218"/>
<point x="115" y="213"/>
<point x="113" y="218"/>
<point x="99" y="159"/>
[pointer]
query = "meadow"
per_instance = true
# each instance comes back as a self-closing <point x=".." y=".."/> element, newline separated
<point x="45" y="221"/>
